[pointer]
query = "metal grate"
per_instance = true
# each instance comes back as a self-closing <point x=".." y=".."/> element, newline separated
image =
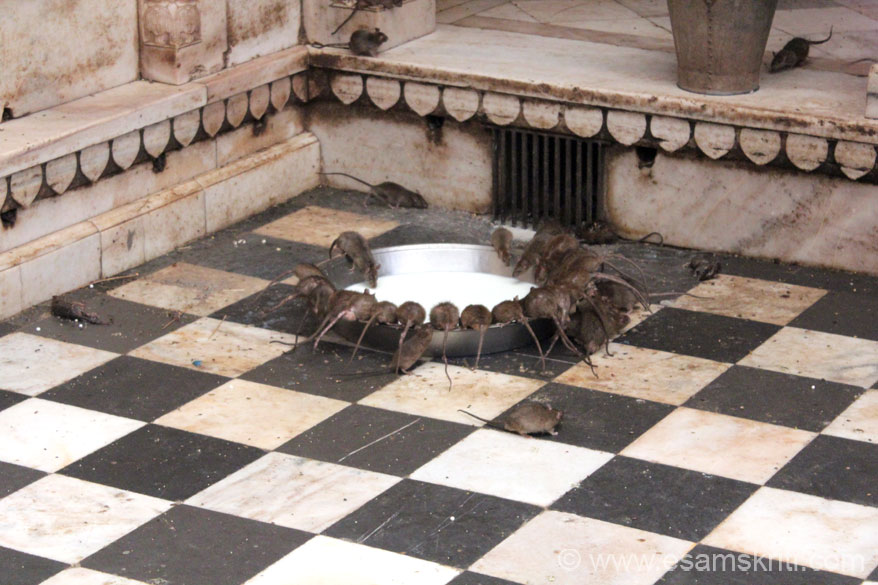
<point x="540" y="175"/>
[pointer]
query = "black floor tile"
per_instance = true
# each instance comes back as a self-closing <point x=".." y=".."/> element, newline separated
<point x="163" y="462"/>
<point x="131" y="324"/>
<point x="191" y="546"/>
<point x="599" y="420"/>
<point x="326" y="371"/>
<point x="259" y="310"/>
<point x="15" y="477"/>
<point x="470" y="578"/>
<point x="834" y="468"/>
<point x="837" y="280"/>
<point x="522" y="362"/>
<point x="706" y="565"/>
<point x="658" y="498"/>
<point x="874" y="575"/>
<point x="253" y="255"/>
<point x="414" y="518"/>
<point x="377" y="440"/>
<point x="135" y="388"/>
<point x="842" y="313"/>
<point x="18" y="568"/>
<point x="8" y="398"/>
<point x="6" y="328"/>
<point x="714" y="337"/>
<point x="776" y="398"/>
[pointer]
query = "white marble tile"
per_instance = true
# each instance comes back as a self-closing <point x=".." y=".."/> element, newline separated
<point x="640" y="27"/>
<point x="750" y="298"/>
<point x="719" y="444"/>
<point x="859" y="421"/>
<point x="261" y="27"/>
<point x="250" y="413"/>
<point x="267" y="177"/>
<point x="802" y="529"/>
<point x="818" y="355"/>
<point x="190" y="288"/>
<point x="320" y="226"/>
<point x="82" y="576"/>
<point x="10" y="292"/>
<point x="646" y="7"/>
<point x="509" y="12"/>
<point x="48" y="435"/>
<point x="69" y="267"/>
<point x="317" y="562"/>
<point x="545" y="10"/>
<point x="53" y="56"/>
<point x="466" y="9"/>
<point x="219" y="347"/>
<point x="493" y="462"/>
<point x="294" y="492"/>
<point x="645" y="373"/>
<point x="425" y="392"/>
<point x="68" y="519"/>
<point x="30" y="364"/>
<point x="566" y="549"/>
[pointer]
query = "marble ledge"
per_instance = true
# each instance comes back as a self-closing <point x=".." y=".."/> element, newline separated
<point x="817" y="103"/>
<point x="71" y="127"/>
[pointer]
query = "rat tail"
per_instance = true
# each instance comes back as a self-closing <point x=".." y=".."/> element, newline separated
<point x="487" y="422"/>
<point x="824" y="40"/>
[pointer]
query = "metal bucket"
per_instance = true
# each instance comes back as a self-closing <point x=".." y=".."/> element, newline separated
<point x="720" y="43"/>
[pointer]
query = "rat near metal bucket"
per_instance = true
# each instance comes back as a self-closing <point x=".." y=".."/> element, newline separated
<point x="418" y="259"/>
<point x="720" y="43"/>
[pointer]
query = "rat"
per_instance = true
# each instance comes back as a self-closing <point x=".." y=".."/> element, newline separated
<point x="553" y="303"/>
<point x="704" y="267"/>
<point x="794" y="53"/>
<point x="347" y="305"/>
<point x="382" y="312"/>
<point x="409" y="314"/>
<point x="303" y="288"/>
<point x="301" y="271"/>
<point x="392" y="194"/>
<point x="526" y="419"/>
<point x="477" y="317"/>
<point x="555" y="250"/>
<point x="501" y="240"/>
<point x="364" y="42"/>
<point x="445" y="317"/>
<point x="600" y="232"/>
<point x="512" y="311"/>
<point x="548" y="229"/>
<point x="354" y="246"/>
<point x="75" y="310"/>
<point x="360" y="4"/>
<point x="411" y="351"/>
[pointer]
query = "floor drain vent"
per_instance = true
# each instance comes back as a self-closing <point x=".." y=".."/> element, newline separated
<point x="540" y="175"/>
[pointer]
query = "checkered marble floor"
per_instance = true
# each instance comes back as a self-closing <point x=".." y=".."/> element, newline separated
<point x="728" y="438"/>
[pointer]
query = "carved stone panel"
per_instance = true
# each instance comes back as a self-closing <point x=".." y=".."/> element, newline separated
<point x="171" y="23"/>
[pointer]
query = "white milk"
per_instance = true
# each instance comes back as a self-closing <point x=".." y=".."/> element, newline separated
<point x="460" y="288"/>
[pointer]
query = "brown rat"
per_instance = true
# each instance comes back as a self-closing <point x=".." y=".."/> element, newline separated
<point x="445" y="317"/>
<point x="382" y="312"/>
<point x="304" y="288"/>
<point x="513" y="312"/>
<point x="526" y="419"/>
<point x="531" y="255"/>
<point x="501" y="240"/>
<point x="409" y="314"/>
<point x="555" y="250"/>
<point x="301" y="270"/>
<point x="364" y="42"/>
<point x="354" y="246"/>
<point x="477" y="317"/>
<point x="392" y="194"/>
<point x="794" y="53"/>
<point x="555" y="303"/>
<point x="75" y="310"/>
<point x="411" y="351"/>
<point x="704" y="267"/>
<point x="348" y="305"/>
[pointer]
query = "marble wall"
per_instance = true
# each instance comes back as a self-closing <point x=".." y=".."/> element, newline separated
<point x="260" y="27"/>
<point x="736" y="207"/>
<point x="54" y="51"/>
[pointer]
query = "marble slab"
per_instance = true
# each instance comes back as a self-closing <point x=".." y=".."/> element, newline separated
<point x="644" y="373"/>
<point x="859" y="421"/>
<point x="320" y="226"/>
<point x="493" y="462"/>
<point x="426" y="393"/>
<point x="815" y="354"/>
<point x="68" y="519"/>
<point x="719" y="444"/>
<point x="294" y="492"/>
<point x="317" y="561"/>
<point x="803" y="529"/>
<point x="48" y="436"/>
<point x="581" y="551"/>
<point x="254" y="414"/>
<point x="23" y="360"/>
<point x="219" y="347"/>
<point x="261" y="27"/>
